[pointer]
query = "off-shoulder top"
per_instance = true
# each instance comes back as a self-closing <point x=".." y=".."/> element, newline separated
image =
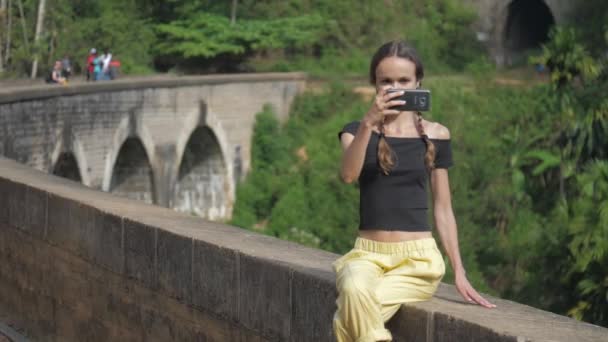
<point x="399" y="200"/>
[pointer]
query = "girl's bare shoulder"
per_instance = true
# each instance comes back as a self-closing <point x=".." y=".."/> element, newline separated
<point x="435" y="130"/>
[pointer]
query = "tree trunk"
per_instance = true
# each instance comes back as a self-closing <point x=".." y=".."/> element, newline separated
<point x="2" y="32"/>
<point x="9" y="30"/>
<point x="39" y="22"/>
<point x="233" y="12"/>
<point x="23" y="26"/>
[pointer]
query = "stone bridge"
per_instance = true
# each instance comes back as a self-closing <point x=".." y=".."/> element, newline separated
<point x="510" y="27"/>
<point x="180" y="142"/>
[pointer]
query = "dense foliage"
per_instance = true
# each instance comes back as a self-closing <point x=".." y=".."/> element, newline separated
<point x="72" y="28"/>
<point x="189" y="38"/>
<point x="320" y="36"/>
<point x="530" y="186"/>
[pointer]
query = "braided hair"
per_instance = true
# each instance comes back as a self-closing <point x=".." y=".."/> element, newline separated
<point x="386" y="156"/>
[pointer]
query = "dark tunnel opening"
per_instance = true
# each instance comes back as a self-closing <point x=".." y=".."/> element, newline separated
<point x="528" y="25"/>
<point x="67" y="167"/>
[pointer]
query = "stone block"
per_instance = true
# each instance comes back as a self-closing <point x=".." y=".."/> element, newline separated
<point x="35" y="211"/>
<point x="69" y="222"/>
<point x="411" y="324"/>
<point x="250" y="336"/>
<point x="44" y="314"/>
<point x="123" y="305"/>
<point x="82" y="222"/>
<point x="156" y="327"/>
<point x="163" y="324"/>
<point x="58" y="218"/>
<point x="215" y="280"/>
<point x="5" y="189"/>
<point x="313" y="297"/>
<point x="16" y="205"/>
<point x="140" y="252"/>
<point x="104" y="241"/>
<point x="449" y="329"/>
<point x="265" y="296"/>
<point x="76" y="324"/>
<point x="24" y="311"/>
<point x="174" y="255"/>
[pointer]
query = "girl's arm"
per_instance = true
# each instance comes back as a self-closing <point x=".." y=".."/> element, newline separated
<point x="354" y="147"/>
<point x="446" y="226"/>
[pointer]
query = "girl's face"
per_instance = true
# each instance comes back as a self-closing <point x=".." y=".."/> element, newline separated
<point x="396" y="72"/>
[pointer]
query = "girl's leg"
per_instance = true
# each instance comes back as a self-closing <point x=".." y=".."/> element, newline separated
<point x="359" y="317"/>
<point x="413" y="281"/>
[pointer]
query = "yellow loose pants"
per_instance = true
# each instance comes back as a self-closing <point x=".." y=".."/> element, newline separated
<point x="375" y="278"/>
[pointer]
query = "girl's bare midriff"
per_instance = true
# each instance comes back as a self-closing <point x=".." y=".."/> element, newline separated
<point x="393" y="236"/>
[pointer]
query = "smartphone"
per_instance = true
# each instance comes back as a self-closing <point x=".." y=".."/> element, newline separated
<point x="416" y="100"/>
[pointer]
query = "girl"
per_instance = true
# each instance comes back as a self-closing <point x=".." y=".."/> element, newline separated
<point x="393" y="154"/>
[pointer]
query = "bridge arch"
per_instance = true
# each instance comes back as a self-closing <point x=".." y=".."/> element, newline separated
<point x="201" y="183"/>
<point x="202" y="176"/>
<point x="129" y="163"/>
<point x="68" y="159"/>
<point x="203" y="154"/>
<point x="67" y="167"/>
<point x="132" y="175"/>
<point x="125" y="130"/>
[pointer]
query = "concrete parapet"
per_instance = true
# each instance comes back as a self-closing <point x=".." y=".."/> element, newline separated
<point x="78" y="264"/>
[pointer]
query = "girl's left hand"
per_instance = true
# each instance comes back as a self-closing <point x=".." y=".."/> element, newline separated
<point x="468" y="292"/>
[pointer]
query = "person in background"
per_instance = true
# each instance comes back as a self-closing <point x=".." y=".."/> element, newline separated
<point x="66" y="67"/>
<point x="56" y="75"/>
<point x="105" y="68"/>
<point x="114" y="68"/>
<point x="97" y="66"/>
<point x="90" y="65"/>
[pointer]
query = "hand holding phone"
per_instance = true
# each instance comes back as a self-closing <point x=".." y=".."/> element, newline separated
<point x="416" y="100"/>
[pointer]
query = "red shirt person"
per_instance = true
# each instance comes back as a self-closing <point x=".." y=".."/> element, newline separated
<point x="90" y="66"/>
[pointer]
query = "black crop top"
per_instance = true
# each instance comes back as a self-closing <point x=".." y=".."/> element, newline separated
<point x="399" y="200"/>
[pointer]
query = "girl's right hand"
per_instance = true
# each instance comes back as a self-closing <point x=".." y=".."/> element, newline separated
<point x="381" y="107"/>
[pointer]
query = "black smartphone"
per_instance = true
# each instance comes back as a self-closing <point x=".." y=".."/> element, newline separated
<point x="416" y="100"/>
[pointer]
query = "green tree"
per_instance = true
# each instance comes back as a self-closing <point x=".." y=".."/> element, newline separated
<point x="566" y="58"/>
<point x="207" y="35"/>
<point x="588" y="233"/>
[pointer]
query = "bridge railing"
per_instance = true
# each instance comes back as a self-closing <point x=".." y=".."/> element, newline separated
<point x="29" y="92"/>
<point x="80" y="264"/>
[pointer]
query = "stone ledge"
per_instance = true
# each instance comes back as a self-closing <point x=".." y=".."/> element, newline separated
<point x="8" y="334"/>
<point x="47" y="91"/>
<point x="282" y="280"/>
